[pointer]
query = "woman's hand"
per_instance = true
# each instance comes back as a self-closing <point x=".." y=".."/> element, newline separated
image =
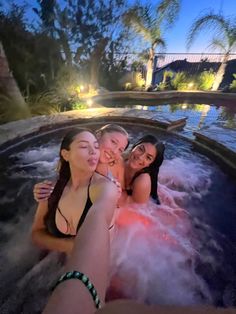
<point x="43" y="190"/>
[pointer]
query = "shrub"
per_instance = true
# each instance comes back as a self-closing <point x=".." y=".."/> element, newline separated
<point x="180" y="81"/>
<point x="79" y="105"/>
<point x="12" y="108"/>
<point x="167" y="76"/>
<point x="139" y="80"/>
<point x="45" y="103"/>
<point x="166" y="81"/>
<point x="67" y="83"/>
<point x="205" y="80"/>
<point x="183" y="81"/>
<point x="128" y="86"/>
<point x="232" y="86"/>
<point x="161" y="86"/>
<point x="9" y="109"/>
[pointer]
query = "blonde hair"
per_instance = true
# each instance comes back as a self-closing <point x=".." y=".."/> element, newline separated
<point x="109" y="128"/>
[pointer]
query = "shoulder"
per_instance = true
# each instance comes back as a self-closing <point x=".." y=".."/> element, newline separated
<point x="99" y="179"/>
<point x="141" y="188"/>
<point x="143" y="179"/>
<point x="102" y="186"/>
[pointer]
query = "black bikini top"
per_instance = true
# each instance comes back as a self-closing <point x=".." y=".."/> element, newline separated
<point x="51" y="221"/>
<point x="129" y="192"/>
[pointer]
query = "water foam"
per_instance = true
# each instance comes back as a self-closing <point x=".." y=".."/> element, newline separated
<point x="35" y="163"/>
<point x="153" y="254"/>
<point x="159" y="255"/>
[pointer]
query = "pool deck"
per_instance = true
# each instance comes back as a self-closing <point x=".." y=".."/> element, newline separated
<point x="218" y="143"/>
<point x="228" y="99"/>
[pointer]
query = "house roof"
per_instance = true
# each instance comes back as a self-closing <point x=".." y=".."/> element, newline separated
<point x="193" y="68"/>
<point x="190" y="67"/>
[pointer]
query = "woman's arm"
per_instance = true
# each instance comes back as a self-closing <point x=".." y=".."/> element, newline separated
<point x="42" y="238"/>
<point x="90" y="256"/>
<point x="141" y="189"/>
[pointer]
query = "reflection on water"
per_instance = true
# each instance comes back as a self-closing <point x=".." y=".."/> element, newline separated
<point x="180" y="252"/>
<point x="228" y="115"/>
<point x="199" y="116"/>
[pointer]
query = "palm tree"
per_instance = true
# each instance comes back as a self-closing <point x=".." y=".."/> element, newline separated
<point x="149" y="22"/>
<point x="224" y="38"/>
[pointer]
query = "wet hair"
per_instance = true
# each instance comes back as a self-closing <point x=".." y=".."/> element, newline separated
<point x="153" y="168"/>
<point x="64" y="175"/>
<point x="110" y="128"/>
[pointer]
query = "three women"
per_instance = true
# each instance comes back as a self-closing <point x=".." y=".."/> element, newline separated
<point x="80" y="187"/>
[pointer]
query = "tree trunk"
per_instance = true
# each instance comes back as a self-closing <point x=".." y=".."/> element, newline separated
<point x="149" y="68"/>
<point x="11" y="90"/>
<point x="220" y="73"/>
<point x="65" y="46"/>
<point x="95" y="62"/>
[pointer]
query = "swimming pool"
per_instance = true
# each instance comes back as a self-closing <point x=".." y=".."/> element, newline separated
<point x="199" y="115"/>
<point x="186" y="246"/>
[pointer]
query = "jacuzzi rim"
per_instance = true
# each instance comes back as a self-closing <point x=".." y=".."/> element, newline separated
<point x="9" y="146"/>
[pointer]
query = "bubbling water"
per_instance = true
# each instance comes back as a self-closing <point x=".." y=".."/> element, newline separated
<point x="152" y="253"/>
<point x="166" y="254"/>
<point x="37" y="163"/>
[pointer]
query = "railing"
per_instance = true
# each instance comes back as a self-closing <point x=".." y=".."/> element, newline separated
<point x="162" y="59"/>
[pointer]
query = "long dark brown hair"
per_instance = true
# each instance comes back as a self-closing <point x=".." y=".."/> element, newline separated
<point x="153" y="168"/>
<point x="64" y="173"/>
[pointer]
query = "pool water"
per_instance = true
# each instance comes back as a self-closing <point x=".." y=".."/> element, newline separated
<point x="181" y="252"/>
<point x="199" y="116"/>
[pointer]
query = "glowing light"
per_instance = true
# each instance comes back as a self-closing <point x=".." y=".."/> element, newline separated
<point x="128" y="217"/>
<point x="128" y="85"/>
<point x="81" y="87"/>
<point x="139" y="80"/>
<point x="184" y="106"/>
<point x="138" y="107"/>
<point x="190" y="85"/>
<point x="89" y="102"/>
<point x="77" y="89"/>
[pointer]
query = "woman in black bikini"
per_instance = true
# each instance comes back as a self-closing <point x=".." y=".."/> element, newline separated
<point x="113" y="140"/>
<point x="78" y="189"/>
